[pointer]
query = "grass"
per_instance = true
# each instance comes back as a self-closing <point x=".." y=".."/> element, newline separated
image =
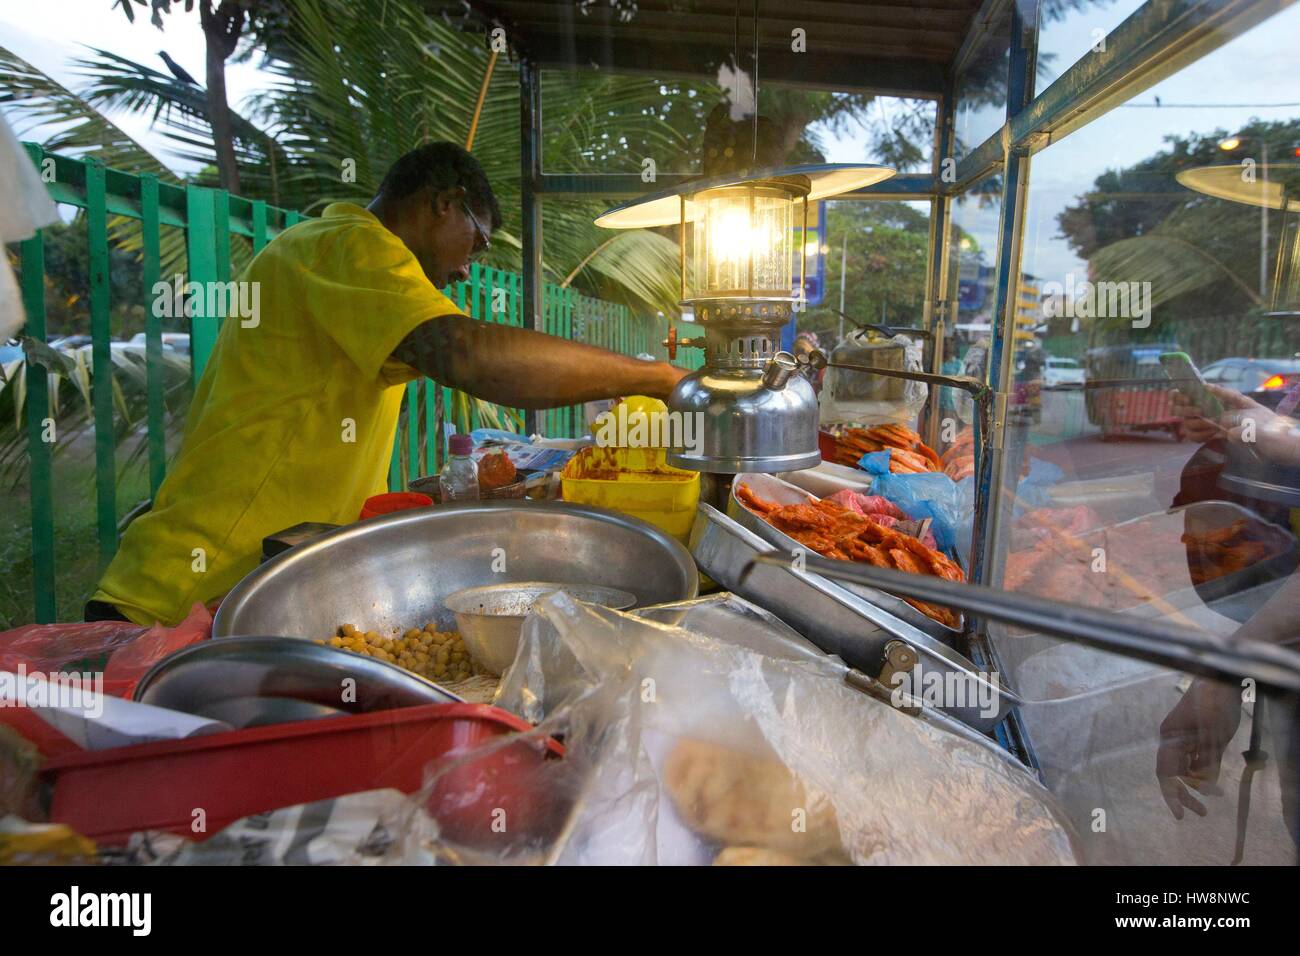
<point x="76" y="547"/>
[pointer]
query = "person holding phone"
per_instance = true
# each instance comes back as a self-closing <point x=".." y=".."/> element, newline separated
<point x="1196" y="733"/>
<point x="1242" y="421"/>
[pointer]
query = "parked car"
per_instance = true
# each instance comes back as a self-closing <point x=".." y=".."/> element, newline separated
<point x="69" y="343"/>
<point x="176" y="341"/>
<point x="1062" y="373"/>
<point x="1264" y="380"/>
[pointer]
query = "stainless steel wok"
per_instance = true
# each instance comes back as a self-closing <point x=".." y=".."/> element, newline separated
<point x="396" y="571"/>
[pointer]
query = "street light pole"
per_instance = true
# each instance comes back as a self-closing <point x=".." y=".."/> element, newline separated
<point x="844" y="259"/>
<point x="1263" y="228"/>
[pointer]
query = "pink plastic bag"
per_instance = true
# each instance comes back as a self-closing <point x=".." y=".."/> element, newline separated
<point x="131" y="662"/>
<point x="130" y="648"/>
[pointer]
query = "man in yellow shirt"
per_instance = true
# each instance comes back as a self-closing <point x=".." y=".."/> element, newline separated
<point x="294" y="417"/>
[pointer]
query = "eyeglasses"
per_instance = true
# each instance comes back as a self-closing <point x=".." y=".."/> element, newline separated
<point x="486" y="243"/>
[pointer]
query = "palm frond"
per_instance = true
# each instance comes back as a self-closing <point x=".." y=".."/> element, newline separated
<point x="35" y="101"/>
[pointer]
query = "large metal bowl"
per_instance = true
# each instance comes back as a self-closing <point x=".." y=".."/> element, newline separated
<point x="396" y="571"/>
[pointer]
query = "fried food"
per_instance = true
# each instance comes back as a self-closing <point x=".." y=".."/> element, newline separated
<point x="742" y="800"/>
<point x="1217" y="552"/>
<point x="437" y="655"/>
<point x="908" y="453"/>
<point x="1054" y="554"/>
<point x="837" y="532"/>
<point x="495" y="470"/>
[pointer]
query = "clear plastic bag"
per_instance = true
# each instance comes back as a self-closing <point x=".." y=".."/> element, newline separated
<point x="732" y="744"/>
<point x="860" y="398"/>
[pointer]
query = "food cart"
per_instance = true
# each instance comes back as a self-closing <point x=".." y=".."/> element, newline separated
<point x="1092" y="602"/>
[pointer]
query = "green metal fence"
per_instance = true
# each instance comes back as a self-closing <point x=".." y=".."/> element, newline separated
<point x="220" y="230"/>
<point x="209" y="218"/>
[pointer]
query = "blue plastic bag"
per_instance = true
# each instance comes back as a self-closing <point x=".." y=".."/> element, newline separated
<point x="875" y="462"/>
<point x="950" y="505"/>
<point x="947" y="503"/>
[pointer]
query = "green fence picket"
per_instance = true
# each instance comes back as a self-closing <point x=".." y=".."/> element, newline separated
<point x="395" y="464"/>
<point x="151" y="269"/>
<point x="259" y="225"/>
<point x="221" y="235"/>
<point x="40" y="427"/>
<point x="101" y="385"/>
<point x="412" y="429"/>
<point x="430" y="428"/>
<point x="202" y="248"/>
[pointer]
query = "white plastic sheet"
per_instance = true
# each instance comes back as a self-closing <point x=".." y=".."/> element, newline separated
<point x="692" y="748"/>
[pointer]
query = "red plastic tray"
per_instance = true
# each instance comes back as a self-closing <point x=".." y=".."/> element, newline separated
<point x="109" y="794"/>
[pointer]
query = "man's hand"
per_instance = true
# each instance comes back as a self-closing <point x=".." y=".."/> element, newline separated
<point x="1192" y="741"/>
<point x="1201" y="429"/>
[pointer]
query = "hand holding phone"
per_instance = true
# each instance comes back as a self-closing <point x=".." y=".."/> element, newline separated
<point x="1180" y="370"/>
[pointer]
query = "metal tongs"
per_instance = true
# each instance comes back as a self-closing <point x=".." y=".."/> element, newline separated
<point x="1149" y="640"/>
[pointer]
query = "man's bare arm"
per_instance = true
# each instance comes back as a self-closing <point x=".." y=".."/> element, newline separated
<point x="527" y="369"/>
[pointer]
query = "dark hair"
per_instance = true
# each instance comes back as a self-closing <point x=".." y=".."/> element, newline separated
<point x="441" y="166"/>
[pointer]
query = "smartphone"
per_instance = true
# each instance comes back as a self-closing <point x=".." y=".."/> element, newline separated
<point x="1180" y="370"/>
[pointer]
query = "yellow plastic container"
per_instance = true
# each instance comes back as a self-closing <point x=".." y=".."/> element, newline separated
<point x="637" y="482"/>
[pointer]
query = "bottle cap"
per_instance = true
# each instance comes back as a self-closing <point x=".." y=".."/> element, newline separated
<point x="461" y="444"/>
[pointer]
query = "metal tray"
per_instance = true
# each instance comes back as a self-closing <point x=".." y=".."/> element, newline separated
<point x="787" y="493"/>
<point x="208" y="677"/>
<point x="833" y="618"/>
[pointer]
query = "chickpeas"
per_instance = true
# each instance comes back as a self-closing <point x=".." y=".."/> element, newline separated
<point x="437" y="655"/>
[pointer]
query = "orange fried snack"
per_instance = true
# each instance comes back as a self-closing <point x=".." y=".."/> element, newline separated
<point x="495" y="470"/>
<point x="909" y="455"/>
<point x="843" y="535"/>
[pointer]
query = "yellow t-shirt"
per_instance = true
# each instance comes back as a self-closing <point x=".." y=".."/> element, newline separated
<point x="293" y="419"/>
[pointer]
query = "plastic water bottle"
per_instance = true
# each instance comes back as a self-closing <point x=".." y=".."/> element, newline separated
<point x="458" y="479"/>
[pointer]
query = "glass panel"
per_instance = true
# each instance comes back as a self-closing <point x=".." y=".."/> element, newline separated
<point x="603" y="123"/>
<point x="1132" y="750"/>
<point x="972" y="277"/>
<point x="874" y="257"/>
<point x="1068" y="31"/>
<point x="1127" y="501"/>
<point x="981" y="88"/>
<point x="856" y="128"/>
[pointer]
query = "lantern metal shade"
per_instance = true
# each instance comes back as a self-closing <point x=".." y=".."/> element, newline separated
<point x="665" y="207"/>
<point x="1225" y="182"/>
<point x="1274" y="186"/>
